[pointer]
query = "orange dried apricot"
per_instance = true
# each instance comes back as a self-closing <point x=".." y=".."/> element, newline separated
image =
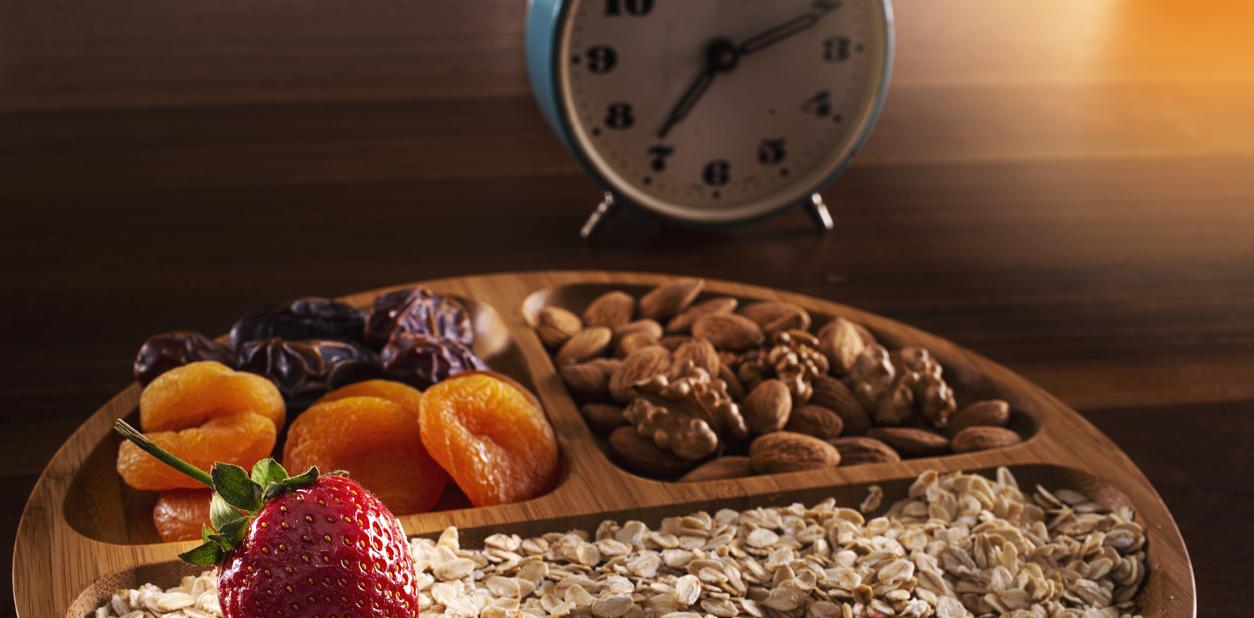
<point x="398" y="393"/>
<point x="190" y="395"/>
<point x="241" y="439"/>
<point x="492" y="437"/>
<point x="181" y="514"/>
<point x="377" y="442"/>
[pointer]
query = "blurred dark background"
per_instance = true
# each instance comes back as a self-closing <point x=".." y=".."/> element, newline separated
<point x="1066" y="187"/>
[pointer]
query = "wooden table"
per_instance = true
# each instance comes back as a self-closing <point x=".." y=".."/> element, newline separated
<point x="1065" y="187"/>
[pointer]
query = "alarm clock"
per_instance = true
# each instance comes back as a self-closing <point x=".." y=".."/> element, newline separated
<point x="710" y="111"/>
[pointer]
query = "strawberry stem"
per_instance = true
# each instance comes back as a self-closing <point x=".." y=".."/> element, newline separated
<point x="166" y="457"/>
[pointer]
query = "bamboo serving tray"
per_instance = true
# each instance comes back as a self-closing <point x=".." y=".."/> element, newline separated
<point x="84" y="534"/>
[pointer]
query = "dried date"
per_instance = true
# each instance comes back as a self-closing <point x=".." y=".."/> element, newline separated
<point x="305" y="370"/>
<point x="423" y="360"/>
<point x="167" y="351"/>
<point x="300" y="320"/>
<point x="418" y="311"/>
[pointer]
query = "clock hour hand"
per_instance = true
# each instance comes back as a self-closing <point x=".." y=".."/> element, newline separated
<point x="787" y="29"/>
<point x="687" y="102"/>
<point x="721" y="56"/>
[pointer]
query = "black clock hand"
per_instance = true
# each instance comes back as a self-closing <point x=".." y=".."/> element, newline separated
<point x="687" y="102"/>
<point x="787" y="29"/>
<point x="720" y="57"/>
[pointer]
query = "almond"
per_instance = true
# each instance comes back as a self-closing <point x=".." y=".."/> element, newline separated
<point x="700" y="353"/>
<point x="672" y="342"/>
<point x="767" y="407"/>
<point x="590" y="381"/>
<point x="734" y="388"/>
<point x="603" y="418"/>
<point x="981" y="438"/>
<point x="728" y="467"/>
<point x="665" y="301"/>
<point x="634" y="341"/>
<point x="990" y="412"/>
<point x="639" y="326"/>
<point x="784" y="451"/>
<point x="611" y="309"/>
<point x="775" y="316"/>
<point x="682" y="323"/>
<point x="643" y="457"/>
<point x="728" y="331"/>
<point x="588" y="344"/>
<point x="911" y="442"/>
<point x="842" y="344"/>
<point x="556" y="326"/>
<point x="832" y="394"/>
<point x="856" y="450"/>
<point x="815" y="421"/>
<point x="639" y="365"/>
<point x="865" y="333"/>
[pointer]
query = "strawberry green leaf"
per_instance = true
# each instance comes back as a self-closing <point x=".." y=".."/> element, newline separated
<point x="340" y="473"/>
<point x="268" y="471"/>
<point x="273" y="491"/>
<point x="230" y="535"/>
<point x="221" y="513"/>
<point x="233" y="484"/>
<point x="208" y="554"/>
<point x="291" y="483"/>
<point x="300" y="480"/>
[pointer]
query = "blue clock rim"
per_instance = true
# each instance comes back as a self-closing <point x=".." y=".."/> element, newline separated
<point x="543" y="30"/>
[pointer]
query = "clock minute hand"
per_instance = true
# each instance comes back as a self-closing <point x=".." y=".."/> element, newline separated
<point x="722" y="55"/>
<point x="787" y="29"/>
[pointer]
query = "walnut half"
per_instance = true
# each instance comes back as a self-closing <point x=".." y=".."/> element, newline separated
<point x="793" y="357"/>
<point x="933" y="398"/>
<point x="893" y="386"/>
<point x="685" y="414"/>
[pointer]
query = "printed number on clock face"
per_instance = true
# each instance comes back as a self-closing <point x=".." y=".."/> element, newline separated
<point x="719" y="104"/>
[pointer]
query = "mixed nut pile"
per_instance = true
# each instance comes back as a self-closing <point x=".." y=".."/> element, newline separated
<point x="704" y="388"/>
<point x="958" y="545"/>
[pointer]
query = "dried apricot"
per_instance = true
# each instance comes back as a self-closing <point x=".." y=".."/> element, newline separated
<point x="241" y="439"/>
<point x="194" y="393"/>
<point x="377" y="442"/>
<point x="181" y="514"/>
<point x="492" y="437"/>
<point x="398" y="393"/>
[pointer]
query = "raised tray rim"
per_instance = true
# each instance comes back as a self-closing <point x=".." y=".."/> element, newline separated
<point x="1064" y="438"/>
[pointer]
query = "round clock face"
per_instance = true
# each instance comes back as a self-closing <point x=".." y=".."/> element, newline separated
<point x="716" y="110"/>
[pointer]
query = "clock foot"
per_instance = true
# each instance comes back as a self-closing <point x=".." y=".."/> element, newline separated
<point x="598" y="217"/>
<point x="818" y="211"/>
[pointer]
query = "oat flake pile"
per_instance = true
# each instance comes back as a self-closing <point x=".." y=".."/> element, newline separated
<point x="959" y="545"/>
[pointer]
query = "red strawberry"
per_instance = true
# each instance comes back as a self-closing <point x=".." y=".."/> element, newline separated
<point x="307" y="546"/>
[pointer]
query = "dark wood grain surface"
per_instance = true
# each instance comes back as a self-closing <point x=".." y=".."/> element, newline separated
<point x="1065" y="187"/>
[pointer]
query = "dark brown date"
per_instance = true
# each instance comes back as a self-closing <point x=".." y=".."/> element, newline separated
<point x="306" y="370"/>
<point x="167" y="351"/>
<point x="422" y="360"/>
<point x="418" y="311"/>
<point x="300" y="320"/>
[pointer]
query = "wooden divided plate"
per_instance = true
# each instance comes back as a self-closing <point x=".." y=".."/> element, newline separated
<point x="84" y="534"/>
